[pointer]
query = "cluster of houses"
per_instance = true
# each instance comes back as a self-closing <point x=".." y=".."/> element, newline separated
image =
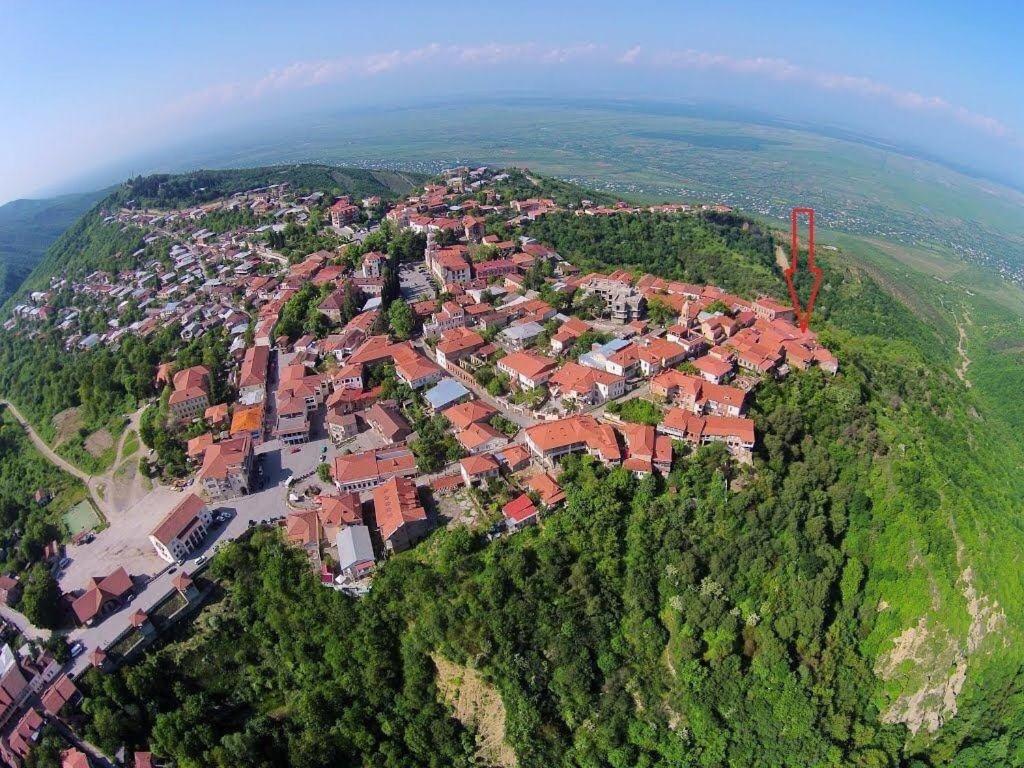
<point x="34" y="690"/>
<point x="519" y="384"/>
<point x="700" y="369"/>
<point x="184" y="272"/>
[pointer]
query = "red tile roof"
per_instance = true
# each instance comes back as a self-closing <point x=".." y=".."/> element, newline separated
<point x="396" y="504"/>
<point x="345" y="509"/>
<point x="178" y="519"/>
<point x="464" y="414"/>
<point x="100" y="590"/>
<point x="582" y="431"/>
<point x="372" y="464"/>
<point x="519" y="509"/>
<point x="550" y="492"/>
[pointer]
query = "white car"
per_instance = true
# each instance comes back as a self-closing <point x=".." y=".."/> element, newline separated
<point x="200" y="560"/>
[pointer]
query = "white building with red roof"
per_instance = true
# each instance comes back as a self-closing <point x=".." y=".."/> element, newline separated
<point x="182" y="529"/>
<point x="528" y="369"/>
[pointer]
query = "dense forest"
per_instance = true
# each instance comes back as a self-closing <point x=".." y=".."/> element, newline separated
<point x="43" y="379"/>
<point x="711" y="248"/>
<point x="709" y="619"/>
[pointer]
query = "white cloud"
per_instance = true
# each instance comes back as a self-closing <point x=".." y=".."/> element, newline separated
<point x="785" y="71"/>
<point x="302" y="75"/>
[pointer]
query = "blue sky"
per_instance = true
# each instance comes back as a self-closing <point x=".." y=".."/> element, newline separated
<point x="86" y="85"/>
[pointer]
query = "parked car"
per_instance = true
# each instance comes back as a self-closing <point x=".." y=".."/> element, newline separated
<point x="200" y="560"/>
<point x="64" y="563"/>
<point x="77" y="649"/>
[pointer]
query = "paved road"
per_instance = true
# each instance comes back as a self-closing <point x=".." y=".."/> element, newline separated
<point x="23" y="624"/>
<point x="276" y="464"/>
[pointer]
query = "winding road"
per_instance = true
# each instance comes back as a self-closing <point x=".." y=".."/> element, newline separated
<point x="93" y="483"/>
<point x="44" y="448"/>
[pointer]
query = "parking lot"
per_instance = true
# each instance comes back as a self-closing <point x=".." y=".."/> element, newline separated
<point x="414" y="283"/>
<point x="124" y="542"/>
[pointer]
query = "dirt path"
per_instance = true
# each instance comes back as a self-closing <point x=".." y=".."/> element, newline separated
<point x="781" y="258"/>
<point x="43" y="447"/>
<point x="961" y="350"/>
<point x="102" y="488"/>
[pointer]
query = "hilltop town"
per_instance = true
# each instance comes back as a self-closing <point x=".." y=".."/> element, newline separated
<point x="418" y="370"/>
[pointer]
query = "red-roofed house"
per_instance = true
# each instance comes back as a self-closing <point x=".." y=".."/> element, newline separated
<point x="553" y="439"/>
<point x="191" y="394"/>
<point x="337" y="512"/>
<point x="413" y="368"/>
<point x="74" y="758"/>
<point x="471" y="412"/>
<point x="528" y="369"/>
<point x="713" y="369"/>
<point x="102" y="596"/>
<point x="252" y="378"/>
<point x="343" y="212"/>
<point x="477" y="469"/>
<point x="457" y="344"/>
<point x="736" y="433"/>
<point x="401" y="519"/>
<point x="699" y="395"/>
<point x="585" y="384"/>
<point x="519" y="513"/>
<point x="366" y="470"/>
<point x="549" y="491"/>
<point x="568" y="333"/>
<point x="770" y="309"/>
<point x="480" y="437"/>
<point x="302" y="528"/>
<point x="227" y="468"/>
<point x="60" y="694"/>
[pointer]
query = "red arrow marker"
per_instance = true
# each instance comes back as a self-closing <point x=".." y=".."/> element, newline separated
<point x="803" y="316"/>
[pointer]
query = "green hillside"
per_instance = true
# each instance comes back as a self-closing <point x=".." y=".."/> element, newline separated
<point x="29" y="227"/>
<point x="855" y="599"/>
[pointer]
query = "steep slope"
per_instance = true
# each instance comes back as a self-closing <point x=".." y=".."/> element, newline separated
<point x="29" y="227"/>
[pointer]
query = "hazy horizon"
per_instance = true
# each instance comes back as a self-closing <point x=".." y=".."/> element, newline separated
<point x="99" y="88"/>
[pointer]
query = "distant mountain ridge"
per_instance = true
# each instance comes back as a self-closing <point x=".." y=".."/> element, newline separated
<point x="29" y="227"/>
